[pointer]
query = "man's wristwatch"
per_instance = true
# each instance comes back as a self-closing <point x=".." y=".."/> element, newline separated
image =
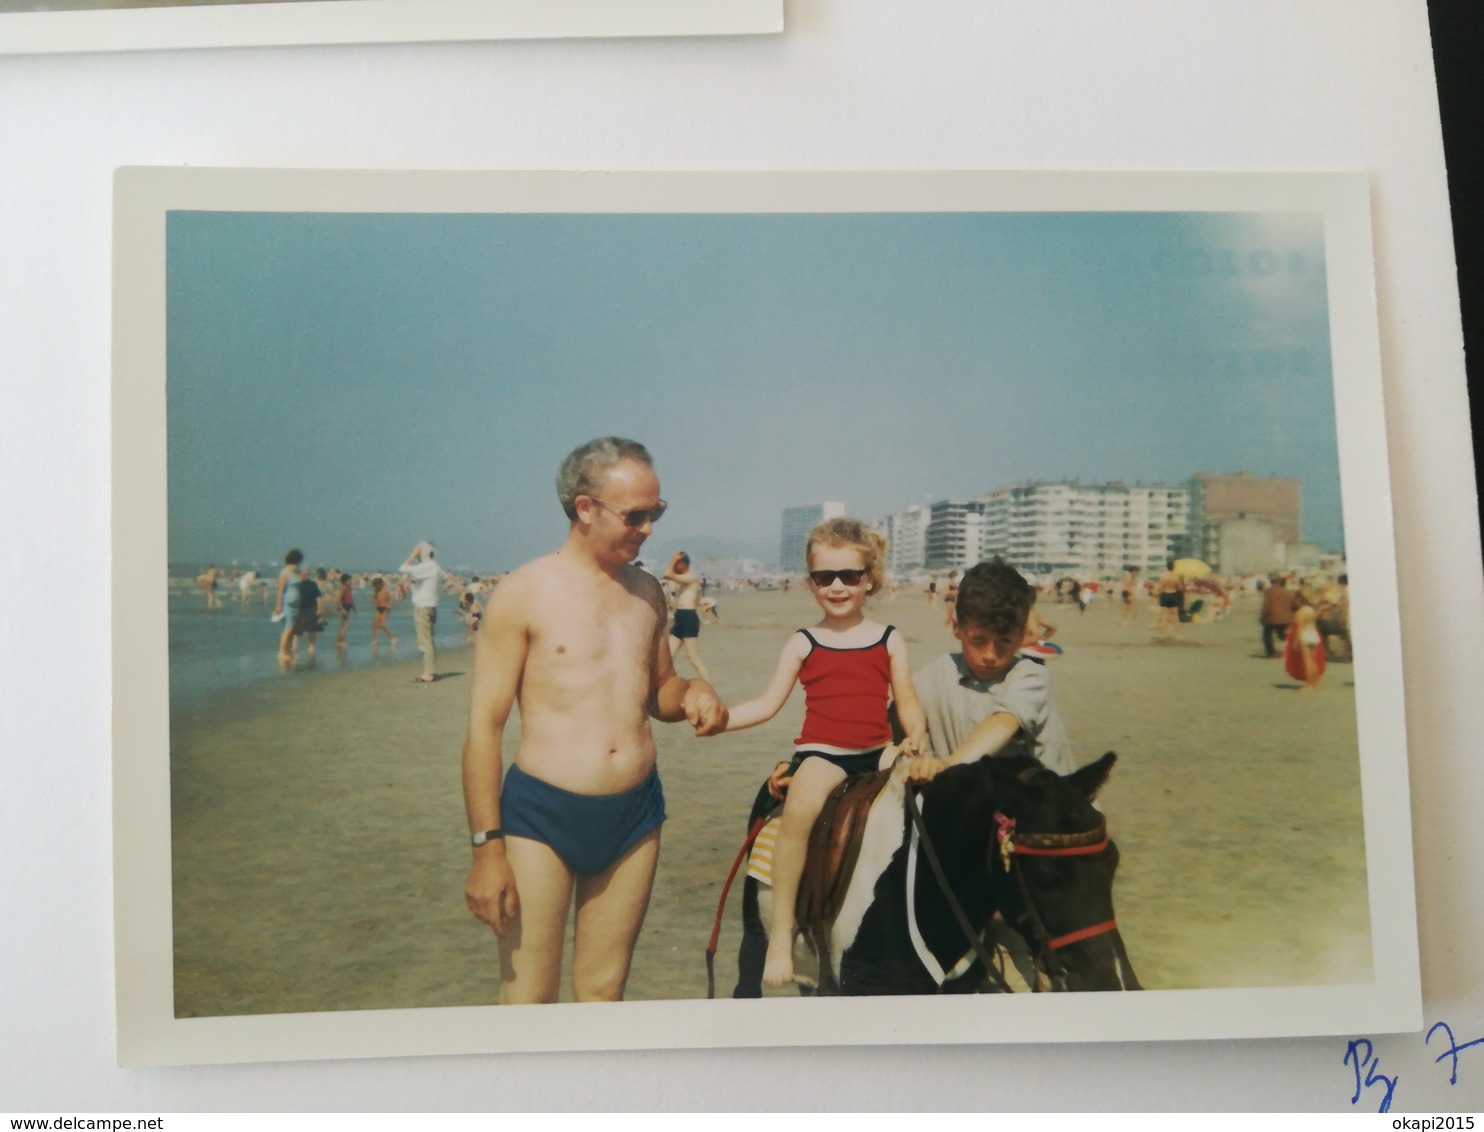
<point x="484" y="835"/>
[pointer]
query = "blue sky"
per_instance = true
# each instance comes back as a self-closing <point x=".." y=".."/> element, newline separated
<point x="352" y="383"/>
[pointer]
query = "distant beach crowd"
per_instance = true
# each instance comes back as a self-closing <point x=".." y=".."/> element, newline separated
<point x="1318" y="601"/>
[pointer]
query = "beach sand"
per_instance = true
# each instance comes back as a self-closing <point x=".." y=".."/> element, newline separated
<point x="320" y="848"/>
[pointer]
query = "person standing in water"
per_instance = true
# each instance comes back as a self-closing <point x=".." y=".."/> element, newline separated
<point x="425" y="574"/>
<point x="286" y="605"/>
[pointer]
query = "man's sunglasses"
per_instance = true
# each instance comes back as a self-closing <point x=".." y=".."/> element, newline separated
<point x="636" y="516"/>
<point x="823" y="578"/>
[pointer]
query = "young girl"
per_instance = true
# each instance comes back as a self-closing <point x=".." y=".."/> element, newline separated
<point x="1303" y="651"/>
<point x="847" y="666"/>
<point x="381" y="601"/>
<point x="346" y="604"/>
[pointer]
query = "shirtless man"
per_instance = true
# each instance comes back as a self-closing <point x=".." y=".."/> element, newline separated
<point x="687" y="627"/>
<point x="577" y="639"/>
<point x="1170" y="593"/>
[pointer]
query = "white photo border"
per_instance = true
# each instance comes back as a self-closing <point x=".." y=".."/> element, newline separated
<point x="148" y="1031"/>
<point x="377" y="21"/>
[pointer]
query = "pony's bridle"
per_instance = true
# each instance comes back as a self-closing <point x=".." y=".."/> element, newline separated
<point x="1008" y="845"/>
<point x="1084" y="844"/>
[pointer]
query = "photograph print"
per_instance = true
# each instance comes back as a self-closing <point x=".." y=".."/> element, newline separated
<point x="514" y="517"/>
<point x="50" y="26"/>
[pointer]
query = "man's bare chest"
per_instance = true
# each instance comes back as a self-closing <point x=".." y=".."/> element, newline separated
<point x="595" y="629"/>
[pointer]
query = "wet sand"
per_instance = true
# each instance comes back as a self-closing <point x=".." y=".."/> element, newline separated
<point x="319" y="845"/>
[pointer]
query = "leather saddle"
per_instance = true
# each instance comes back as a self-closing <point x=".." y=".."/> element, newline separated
<point x="834" y="848"/>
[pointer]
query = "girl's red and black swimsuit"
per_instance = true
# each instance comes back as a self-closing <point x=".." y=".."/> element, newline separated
<point x="845" y="696"/>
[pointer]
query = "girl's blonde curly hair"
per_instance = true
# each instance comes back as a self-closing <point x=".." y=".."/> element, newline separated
<point x="851" y="534"/>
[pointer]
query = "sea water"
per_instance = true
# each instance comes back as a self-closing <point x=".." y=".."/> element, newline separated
<point x="216" y="650"/>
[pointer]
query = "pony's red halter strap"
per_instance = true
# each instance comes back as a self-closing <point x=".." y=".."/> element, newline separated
<point x="1067" y="851"/>
<point x="1081" y="934"/>
<point x="1048" y="844"/>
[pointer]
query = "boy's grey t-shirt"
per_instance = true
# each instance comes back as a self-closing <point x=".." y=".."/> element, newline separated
<point x="956" y="702"/>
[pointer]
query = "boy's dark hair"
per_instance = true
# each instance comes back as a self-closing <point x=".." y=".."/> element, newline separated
<point x="993" y="595"/>
<point x="293" y="557"/>
<point x="345" y="579"/>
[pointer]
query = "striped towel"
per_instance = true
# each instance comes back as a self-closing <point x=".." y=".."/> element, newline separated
<point x="760" y="863"/>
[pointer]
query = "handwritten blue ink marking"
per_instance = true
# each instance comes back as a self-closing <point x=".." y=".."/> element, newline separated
<point x="1453" y="1050"/>
<point x="1373" y="1077"/>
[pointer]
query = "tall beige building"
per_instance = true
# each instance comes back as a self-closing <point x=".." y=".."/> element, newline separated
<point x="1215" y="499"/>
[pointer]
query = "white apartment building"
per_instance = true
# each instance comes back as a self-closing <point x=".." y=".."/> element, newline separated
<point x="1087" y="530"/>
<point x="797" y="523"/>
<point x="954" y="535"/>
<point x="906" y="539"/>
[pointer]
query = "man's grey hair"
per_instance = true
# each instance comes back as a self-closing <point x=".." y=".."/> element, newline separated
<point x="585" y="466"/>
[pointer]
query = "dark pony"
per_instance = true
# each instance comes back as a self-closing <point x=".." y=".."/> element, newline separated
<point x="1011" y="837"/>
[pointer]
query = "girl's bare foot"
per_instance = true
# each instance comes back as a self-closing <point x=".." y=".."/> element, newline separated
<point x="778" y="968"/>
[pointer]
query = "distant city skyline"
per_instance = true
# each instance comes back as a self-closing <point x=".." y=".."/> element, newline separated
<point x="352" y="383"/>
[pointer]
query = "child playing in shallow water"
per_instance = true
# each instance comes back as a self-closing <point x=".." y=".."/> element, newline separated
<point x="847" y="665"/>
<point x="381" y="602"/>
<point x="345" y="602"/>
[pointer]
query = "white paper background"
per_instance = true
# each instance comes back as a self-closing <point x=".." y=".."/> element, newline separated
<point x="1084" y="84"/>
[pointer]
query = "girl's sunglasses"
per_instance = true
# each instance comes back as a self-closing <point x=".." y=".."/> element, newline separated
<point x="822" y="578"/>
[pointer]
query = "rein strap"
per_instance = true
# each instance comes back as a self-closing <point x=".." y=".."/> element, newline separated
<point x="976" y="943"/>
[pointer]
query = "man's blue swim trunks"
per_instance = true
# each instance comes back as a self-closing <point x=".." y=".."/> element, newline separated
<point x="588" y="831"/>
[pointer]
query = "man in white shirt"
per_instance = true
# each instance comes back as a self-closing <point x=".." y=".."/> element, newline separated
<point x="426" y="575"/>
